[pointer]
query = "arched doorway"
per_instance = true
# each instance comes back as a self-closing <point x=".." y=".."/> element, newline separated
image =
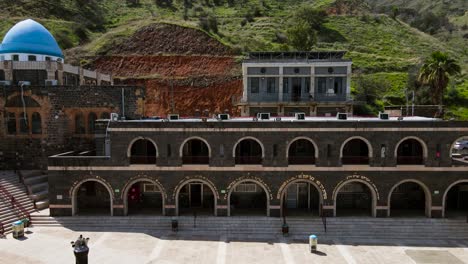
<point x="195" y="151"/>
<point x="301" y="151"/>
<point x="196" y="197"/>
<point x="301" y="198"/>
<point x="143" y="197"/>
<point x="92" y="198"/>
<point x="355" y="151"/>
<point x="142" y="151"/>
<point x="248" y="198"/>
<point x="248" y="151"/>
<point x="355" y="198"/>
<point x="456" y="200"/>
<point x="410" y="152"/>
<point x="409" y="198"/>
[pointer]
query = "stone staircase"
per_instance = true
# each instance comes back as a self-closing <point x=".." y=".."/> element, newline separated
<point x="267" y="227"/>
<point x="38" y="187"/>
<point x="8" y="215"/>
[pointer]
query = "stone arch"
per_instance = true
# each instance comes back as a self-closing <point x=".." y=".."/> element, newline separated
<point x="248" y="137"/>
<point x="305" y="138"/>
<point x="369" y="145"/>
<point x="74" y="190"/>
<point x="261" y="184"/>
<point x="444" y="197"/>
<point x="423" y="144"/>
<point x="190" y="180"/>
<point x="370" y="186"/>
<point x="282" y="191"/>
<point x="181" y="149"/>
<point x="427" y="194"/>
<point x="129" y="148"/>
<point x="131" y="182"/>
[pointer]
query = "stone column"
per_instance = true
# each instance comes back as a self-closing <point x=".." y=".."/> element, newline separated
<point x="280" y="88"/>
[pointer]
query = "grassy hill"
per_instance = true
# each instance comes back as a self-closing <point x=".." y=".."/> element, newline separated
<point x="382" y="48"/>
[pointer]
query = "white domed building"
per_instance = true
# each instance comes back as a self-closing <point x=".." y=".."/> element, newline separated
<point x="29" y="53"/>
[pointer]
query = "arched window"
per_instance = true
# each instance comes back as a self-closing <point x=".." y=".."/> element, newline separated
<point x="301" y="151"/>
<point x="355" y="151"/>
<point x="11" y="123"/>
<point x="410" y="152"/>
<point x="105" y="115"/>
<point x="195" y="151"/>
<point x="91" y="122"/>
<point x="24" y="125"/>
<point x="248" y="151"/>
<point x="36" y="123"/>
<point x="143" y="151"/>
<point x="79" y="124"/>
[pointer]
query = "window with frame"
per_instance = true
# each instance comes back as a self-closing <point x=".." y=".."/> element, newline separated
<point x="11" y="123"/>
<point x="15" y="57"/>
<point x="149" y="187"/>
<point x="322" y="85"/>
<point x="24" y="124"/>
<point x="246" y="187"/>
<point x="338" y="85"/>
<point x="271" y="85"/>
<point x="32" y="58"/>
<point x="254" y="84"/>
<point x="286" y="85"/>
<point x="307" y="85"/>
<point x="47" y="58"/>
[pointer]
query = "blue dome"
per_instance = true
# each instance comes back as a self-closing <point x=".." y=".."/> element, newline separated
<point x="28" y="36"/>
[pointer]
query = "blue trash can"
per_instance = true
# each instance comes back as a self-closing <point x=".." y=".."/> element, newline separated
<point x="313" y="243"/>
<point x="18" y="229"/>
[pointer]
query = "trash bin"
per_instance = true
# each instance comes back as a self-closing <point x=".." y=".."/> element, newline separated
<point x="18" y="229"/>
<point x="313" y="243"/>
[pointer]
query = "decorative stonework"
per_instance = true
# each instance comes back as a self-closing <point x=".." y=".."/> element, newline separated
<point x="142" y="178"/>
<point x="91" y="177"/>
<point x="257" y="180"/>
<point x="304" y="177"/>
<point x="359" y="178"/>
<point x="189" y="179"/>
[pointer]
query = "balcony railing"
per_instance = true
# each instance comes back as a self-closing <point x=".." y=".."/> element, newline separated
<point x="195" y="160"/>
<point x="142" y="160"/>
<point x="301" y="160"/>
<point x="410" y="160"/>
<point x="248" y="160"/>
<point x="359" y="160"/>
<point x="293" y="99"/>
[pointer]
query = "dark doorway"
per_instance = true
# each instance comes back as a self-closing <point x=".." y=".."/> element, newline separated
<point x="296" y="90"/>
<point x="354" y="199"/>
<point x="248" y="198"/>
<point x="355" y="151"/>
<point x="456" y="201"/>
<point x="408" y="199"/>
<point x="301" y="199"/>
<point x="93" y="199"/>
<point x="144" y="198"/>
<point x="410" y="152"/>
<point x="196" y="197"/>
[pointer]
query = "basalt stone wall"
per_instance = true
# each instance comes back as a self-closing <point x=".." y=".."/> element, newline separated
<point x="61" y="109"/>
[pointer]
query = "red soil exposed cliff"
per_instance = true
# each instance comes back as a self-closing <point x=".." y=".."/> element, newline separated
<point x="200" y="80"/>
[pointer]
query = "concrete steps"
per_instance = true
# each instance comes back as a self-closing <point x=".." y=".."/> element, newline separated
<point x="38" y="187"/>
<point x="8" y="215"/>
<point x="363" y="228"/>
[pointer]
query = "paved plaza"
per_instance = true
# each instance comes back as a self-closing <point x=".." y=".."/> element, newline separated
<point x="50" y="245"/>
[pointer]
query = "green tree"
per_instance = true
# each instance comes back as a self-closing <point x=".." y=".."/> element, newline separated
<point x="436" y="72"/>
<point x="304" y="27"/>
<point x="395" y="11"/>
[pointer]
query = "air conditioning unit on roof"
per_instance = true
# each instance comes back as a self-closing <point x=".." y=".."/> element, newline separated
<point x="299" y="116"/>
<point x="383" y="116"/>
<point x="173" y="117"/>
<point x="263" y="116"/>
<point x="342" y="116"/>
<point x="223" y="116"/>
<point x="114" y="116"/>
<point x="51" y="82"/>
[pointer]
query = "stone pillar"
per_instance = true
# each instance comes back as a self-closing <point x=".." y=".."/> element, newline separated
<point x="98" y="78"/>
<point x="280" y="88"/>
<point x="8" y="70"/>
<point x="348" y="82"/>
<point x="245" y="83"/>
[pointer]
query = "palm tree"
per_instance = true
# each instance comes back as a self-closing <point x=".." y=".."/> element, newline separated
<point x="436" y="72"/>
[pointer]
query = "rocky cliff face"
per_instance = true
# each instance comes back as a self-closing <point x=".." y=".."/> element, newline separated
<point x="178" y="68"/>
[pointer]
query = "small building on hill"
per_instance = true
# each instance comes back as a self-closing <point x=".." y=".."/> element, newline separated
<point x="284" y="83"/>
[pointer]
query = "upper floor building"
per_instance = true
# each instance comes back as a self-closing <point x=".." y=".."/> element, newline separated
<point x="283" y="83"/>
